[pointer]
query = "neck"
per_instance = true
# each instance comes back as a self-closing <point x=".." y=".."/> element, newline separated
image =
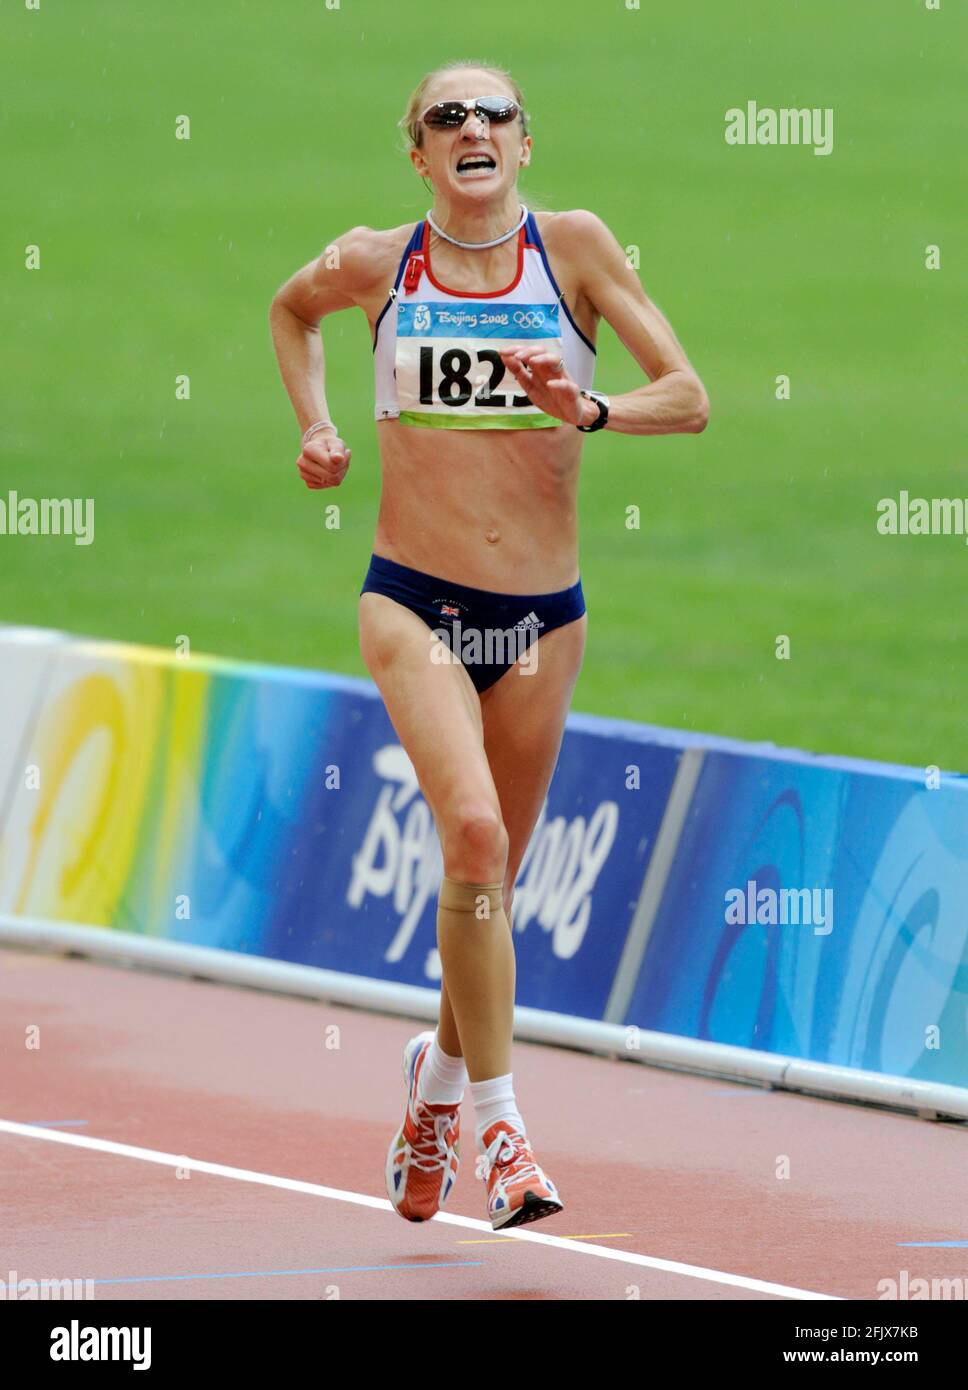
<point x="477" y="223"/>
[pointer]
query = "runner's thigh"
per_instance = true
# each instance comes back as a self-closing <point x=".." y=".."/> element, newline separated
<point x="433" y="707"/>
<point x="524" y="721"/>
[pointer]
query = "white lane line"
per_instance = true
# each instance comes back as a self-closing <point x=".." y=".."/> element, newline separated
<point x="221" y="1170"/>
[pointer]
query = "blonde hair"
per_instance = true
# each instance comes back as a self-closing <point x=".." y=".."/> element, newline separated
<point x="410" y="121"/>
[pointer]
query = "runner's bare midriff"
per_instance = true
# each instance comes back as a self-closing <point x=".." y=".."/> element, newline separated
<point x="494" y="509"/>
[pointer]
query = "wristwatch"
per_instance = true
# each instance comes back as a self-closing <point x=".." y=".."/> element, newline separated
<point x="602" y="403"/>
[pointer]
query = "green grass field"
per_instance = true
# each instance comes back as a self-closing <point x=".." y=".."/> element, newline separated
<point x="160" y="257"/>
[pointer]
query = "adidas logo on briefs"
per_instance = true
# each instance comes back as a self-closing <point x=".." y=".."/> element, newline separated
<point x="532" y="620"/>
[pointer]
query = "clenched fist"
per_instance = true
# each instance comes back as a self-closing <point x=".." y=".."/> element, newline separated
<point x="324" y="461"/>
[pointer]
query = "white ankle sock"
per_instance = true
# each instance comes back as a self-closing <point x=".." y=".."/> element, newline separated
<point x="442" y="1078"/>
<point x="494" y="1100"/>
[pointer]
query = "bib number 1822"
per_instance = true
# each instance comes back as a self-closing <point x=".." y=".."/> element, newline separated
<point x="456" y="387"/>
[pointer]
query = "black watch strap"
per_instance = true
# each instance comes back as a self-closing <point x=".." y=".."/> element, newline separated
<point x="602" y="403"/>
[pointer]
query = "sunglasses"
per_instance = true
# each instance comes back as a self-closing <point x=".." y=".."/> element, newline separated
<point x="451" y="115"/>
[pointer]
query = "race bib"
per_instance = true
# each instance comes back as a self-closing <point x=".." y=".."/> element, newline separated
<point x="449" y="372"/>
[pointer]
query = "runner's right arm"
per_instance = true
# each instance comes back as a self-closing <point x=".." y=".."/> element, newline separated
<point x="338" y="279"/>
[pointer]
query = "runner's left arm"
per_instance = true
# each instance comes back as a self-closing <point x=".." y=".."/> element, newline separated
<point x="674" y="400"/>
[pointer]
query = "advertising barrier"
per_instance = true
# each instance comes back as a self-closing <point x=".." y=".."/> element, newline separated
<point x="720" y="899"/>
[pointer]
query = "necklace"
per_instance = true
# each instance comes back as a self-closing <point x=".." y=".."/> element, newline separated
<point x="479" y="245"/>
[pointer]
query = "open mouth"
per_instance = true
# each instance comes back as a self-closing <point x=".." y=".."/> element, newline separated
<point x="476" y="164"/>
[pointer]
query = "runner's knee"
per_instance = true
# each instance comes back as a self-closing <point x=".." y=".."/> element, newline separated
<point x="475" y="844"/>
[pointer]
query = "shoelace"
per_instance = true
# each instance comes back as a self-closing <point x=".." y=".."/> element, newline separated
<point x="430" y="1153"/>
<point x="510" y="1147"/>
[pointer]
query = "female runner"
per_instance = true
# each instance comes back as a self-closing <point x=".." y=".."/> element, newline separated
<point x="472" y="620"/>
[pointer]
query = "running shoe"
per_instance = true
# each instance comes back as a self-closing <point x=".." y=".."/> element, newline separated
<point x="517" y="1190"/>
<point x="424" y="1157"/>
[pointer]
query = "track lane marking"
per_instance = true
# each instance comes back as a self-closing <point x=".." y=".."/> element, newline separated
<point x="273" y="1273"/>
<point x="221" y="1170"/>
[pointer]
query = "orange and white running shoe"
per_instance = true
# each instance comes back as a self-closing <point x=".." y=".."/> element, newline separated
<point x="517" y="1190"/>
<point x="424" y="1157"/>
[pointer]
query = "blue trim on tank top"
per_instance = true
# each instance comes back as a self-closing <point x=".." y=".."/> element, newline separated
<point x="413" y="244"/>
<point x="534" y="236"/>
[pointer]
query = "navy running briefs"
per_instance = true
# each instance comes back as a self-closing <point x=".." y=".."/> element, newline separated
<point x="487" y="631"/>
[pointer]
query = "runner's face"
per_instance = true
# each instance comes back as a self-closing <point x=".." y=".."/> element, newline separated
<point x="442" y="152"/>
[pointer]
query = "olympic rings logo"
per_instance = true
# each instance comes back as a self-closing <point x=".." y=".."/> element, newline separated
<point x="533" y="318"/>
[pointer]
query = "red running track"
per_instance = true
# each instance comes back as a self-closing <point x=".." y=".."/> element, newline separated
<point x="653" y="1165"/>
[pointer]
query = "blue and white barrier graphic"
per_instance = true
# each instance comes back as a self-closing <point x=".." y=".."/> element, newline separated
<point x="740" y="895"/>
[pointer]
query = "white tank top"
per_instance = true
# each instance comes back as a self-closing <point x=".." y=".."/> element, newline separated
<point x="436" y="350"/>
